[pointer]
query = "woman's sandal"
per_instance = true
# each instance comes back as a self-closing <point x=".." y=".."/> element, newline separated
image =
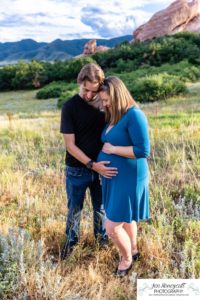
<point x="122" y="273"/>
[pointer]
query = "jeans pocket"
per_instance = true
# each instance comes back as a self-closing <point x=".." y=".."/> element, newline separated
<point x="73" y="171"/>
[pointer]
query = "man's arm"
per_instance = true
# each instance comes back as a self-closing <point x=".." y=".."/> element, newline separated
<point x="76" y="152"/>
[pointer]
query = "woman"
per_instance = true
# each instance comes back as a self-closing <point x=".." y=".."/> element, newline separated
<point x="126" y="146"/>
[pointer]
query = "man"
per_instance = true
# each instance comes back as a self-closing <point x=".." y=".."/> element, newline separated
<point x="81" y="124"/>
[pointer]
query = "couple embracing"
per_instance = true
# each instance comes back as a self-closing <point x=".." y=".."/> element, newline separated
<point x="106" y="137"/>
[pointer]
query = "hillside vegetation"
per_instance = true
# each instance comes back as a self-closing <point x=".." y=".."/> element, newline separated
<point x="152" y="70"/>
<point x="33" y="199"/>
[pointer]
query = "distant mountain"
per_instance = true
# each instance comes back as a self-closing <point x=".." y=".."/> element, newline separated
<point x="11" y="50"/>
<point x="29" y="49"/>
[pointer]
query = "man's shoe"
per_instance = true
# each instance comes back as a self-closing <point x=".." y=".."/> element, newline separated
<point x="136" y="256"/>
<point x="103" y="242"/>
<point x="66" y="250"/>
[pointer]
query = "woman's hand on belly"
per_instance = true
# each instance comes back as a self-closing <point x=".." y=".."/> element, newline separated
<point x="124" y="151"/>
<point x="108" y="148"/>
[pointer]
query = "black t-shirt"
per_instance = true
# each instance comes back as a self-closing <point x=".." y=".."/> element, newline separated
<point x="87" y="123"/>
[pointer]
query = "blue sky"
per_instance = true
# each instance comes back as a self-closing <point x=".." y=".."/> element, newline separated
<point x="47" y="20"/>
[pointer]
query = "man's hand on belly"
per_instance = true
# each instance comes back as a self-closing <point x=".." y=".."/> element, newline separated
<point x="101" y="168"/>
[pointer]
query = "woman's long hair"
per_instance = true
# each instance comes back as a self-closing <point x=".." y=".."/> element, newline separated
<point x="121" y="99"/>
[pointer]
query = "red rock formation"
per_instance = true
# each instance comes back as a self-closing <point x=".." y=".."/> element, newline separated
<point x="181" y="15"/>
<point x="102" y="48"/>
<point x="91" y="48"/>
<point x="194" y="25"/>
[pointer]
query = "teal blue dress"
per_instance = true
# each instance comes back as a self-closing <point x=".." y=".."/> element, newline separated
<point x="126" y="196"/>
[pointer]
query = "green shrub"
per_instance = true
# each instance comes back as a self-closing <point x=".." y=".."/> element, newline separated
<point x="74" y="66"/>
<point x="167" y="49"/>
<point x="28" y="75"/>
<point x="7" y="74"/>
<point x="49" y="92"/>
<point x="192" y="194"/>
<point x="156" y="87"/>
<point x="52" y="90"/>
<point x="65" y="96"/>
<point x="184" y="70"/>
<point x="191" y="73"/>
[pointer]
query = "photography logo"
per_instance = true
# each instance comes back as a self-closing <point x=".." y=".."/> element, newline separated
<point x="162" y="289"/>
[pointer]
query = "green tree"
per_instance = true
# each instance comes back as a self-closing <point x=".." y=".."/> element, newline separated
<point x="74" y="66"/>
<point x="27" y="74"/>
<point x="7" y="74"/>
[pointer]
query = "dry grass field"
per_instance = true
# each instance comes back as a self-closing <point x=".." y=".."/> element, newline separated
<point x="33" y="205"/>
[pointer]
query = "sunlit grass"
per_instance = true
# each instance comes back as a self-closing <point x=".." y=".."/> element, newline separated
<point x="24" y="102"/>
<point x="184" y="105"/>
<point x="33" y="204"/>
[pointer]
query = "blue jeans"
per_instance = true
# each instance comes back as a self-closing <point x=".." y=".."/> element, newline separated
<point x="77" y="181"/>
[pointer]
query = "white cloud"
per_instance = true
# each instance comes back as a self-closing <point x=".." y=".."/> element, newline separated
<point x="47" y="20"/>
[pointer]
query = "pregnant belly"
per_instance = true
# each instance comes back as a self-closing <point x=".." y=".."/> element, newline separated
<point x="116" y="160"/>
<point x="104" y="156"/>
<point x="126" y="165"/>
<point x="113" y="159"/>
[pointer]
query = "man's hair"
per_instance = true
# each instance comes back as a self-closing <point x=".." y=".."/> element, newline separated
<point x="91" y="72"/>
<point x="120" y="97"/>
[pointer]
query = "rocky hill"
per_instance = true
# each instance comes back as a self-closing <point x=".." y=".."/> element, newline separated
<point x="181" y="15"/>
